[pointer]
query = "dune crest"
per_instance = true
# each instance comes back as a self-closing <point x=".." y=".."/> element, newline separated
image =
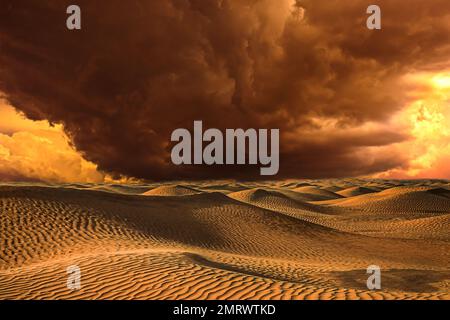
<point x="355" y="191"/>
<point x="171" y="190"/>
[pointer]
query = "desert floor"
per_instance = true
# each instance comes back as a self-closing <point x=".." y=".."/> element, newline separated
<point x="309" y="239"/>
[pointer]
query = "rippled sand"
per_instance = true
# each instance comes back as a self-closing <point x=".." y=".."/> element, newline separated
<point x="226" y="240"/>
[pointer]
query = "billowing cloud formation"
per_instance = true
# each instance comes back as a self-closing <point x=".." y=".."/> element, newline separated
<point x="140" y="69"/>
<point x="33" y="150"/>
<point x="428" y="120"/>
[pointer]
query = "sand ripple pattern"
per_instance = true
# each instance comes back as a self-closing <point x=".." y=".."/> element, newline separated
<point x="226" y="240"/>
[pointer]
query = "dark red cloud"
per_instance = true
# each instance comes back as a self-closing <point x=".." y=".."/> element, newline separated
<point x="140" y="69"/>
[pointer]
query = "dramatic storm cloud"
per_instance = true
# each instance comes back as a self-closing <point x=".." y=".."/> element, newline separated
<point x="140" y="69"/>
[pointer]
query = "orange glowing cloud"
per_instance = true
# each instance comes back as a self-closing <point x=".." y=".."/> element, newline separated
<point x="428" y="121"/>
<point x="34" y="150"/>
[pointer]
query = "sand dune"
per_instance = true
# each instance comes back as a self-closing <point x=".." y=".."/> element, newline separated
<point x="265" y="241"/>
<point x="422" y="200"/>
<point x="355" y="191"/>
<point x="315" y="194"/>
<point x="171" y="190"/>
<point x="334" y="189"/>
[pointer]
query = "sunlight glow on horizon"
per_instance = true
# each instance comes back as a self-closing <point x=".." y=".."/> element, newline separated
<point x="428" y="120"/>
<point x="442" y="81"/>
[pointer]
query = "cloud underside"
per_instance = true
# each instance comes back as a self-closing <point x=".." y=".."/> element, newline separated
<point x="140" y="69"/>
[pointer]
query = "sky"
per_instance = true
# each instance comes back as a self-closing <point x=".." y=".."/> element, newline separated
<point x="100" y="103"/>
